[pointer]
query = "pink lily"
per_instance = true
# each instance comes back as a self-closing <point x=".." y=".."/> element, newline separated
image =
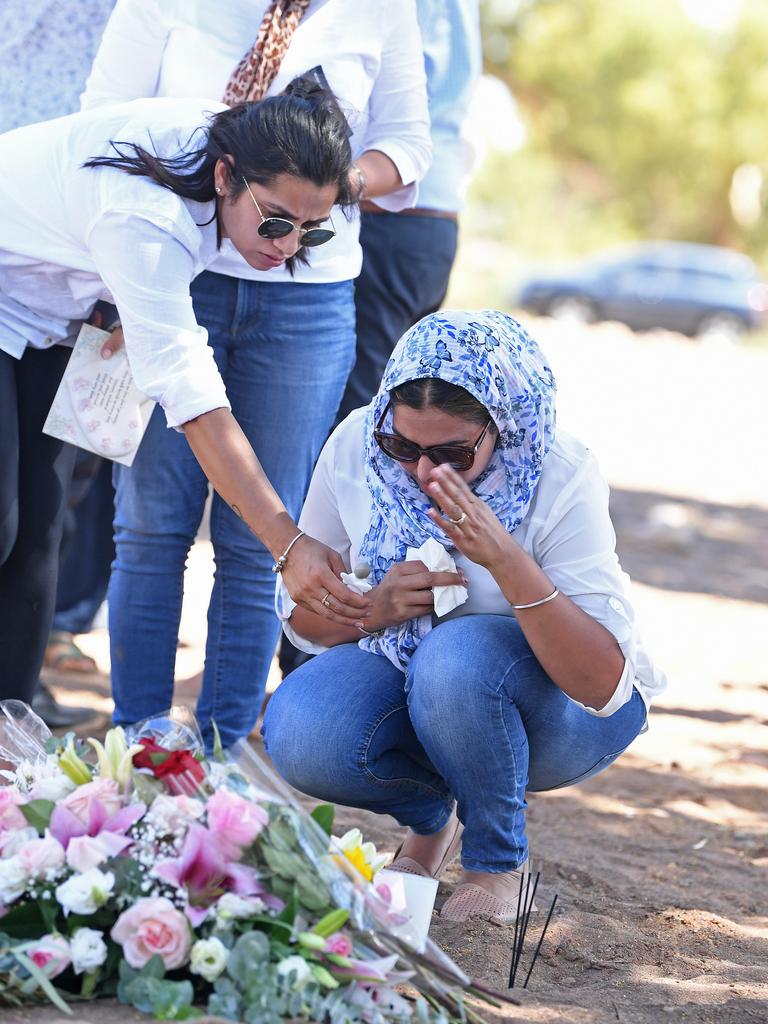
<point x="103" y="837"/>
<point x="203" y="872"/>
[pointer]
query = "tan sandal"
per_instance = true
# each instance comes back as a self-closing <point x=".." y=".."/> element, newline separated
<point x="409" y="866"/>
<point x="470" y="900"/>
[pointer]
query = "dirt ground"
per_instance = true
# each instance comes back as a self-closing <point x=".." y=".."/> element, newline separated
<point x="661" y="863"/>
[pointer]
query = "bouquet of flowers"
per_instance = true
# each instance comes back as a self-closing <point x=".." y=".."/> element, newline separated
<point x="138" y="868"/>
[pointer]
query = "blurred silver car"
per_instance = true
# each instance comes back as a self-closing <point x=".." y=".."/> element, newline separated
<point x="700" y="290"/>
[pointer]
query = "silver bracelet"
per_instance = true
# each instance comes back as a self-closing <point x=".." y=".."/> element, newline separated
<point x="535" y="604"/>
<point x="280" y="563"/>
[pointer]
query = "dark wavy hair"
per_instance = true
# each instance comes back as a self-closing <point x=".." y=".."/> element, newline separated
<point x="301" y="132"/>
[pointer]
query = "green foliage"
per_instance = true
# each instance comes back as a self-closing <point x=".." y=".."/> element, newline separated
<point x="324" y="815"/>
<point x="294" y="876"/>
<point x="24" y="921"/>
<point x="249" y="950"/>
<point x="637" y="119"/>
<point x="149" y="991"/>
<point x="38" y="813"/>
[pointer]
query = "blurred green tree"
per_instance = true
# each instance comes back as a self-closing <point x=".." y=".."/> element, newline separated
<point x="638" y="118"/>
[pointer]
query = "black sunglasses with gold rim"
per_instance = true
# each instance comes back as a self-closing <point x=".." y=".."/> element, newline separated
<point x="279" y="227"/>
<point x="460" y="457"/>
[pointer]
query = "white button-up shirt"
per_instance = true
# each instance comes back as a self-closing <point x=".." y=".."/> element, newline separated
<point x="71" y="235"/>
<point x="370" y="54"/>
<point x="567" y="531"/>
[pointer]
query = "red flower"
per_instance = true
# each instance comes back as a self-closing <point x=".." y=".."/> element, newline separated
<point x="163" y="763"/>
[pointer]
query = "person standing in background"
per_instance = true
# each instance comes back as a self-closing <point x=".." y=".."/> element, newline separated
<point x="46" y="49"/>
<point x="408" y="254"/>
<point x="283" y="340"/>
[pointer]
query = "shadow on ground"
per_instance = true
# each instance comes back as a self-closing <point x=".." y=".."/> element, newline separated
<point x="679" y="543"/>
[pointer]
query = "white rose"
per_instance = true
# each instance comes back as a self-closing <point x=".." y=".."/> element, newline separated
<point x="13" y="879"/>
<point x="232" y="907"/>
<point x="297" y="964"/>
<point x="88" y="950"/>
<point x="171" y="813"/>
<point x="11" y="842"/>
<point x="86" y="892"/>
<point x="208" y="958"/>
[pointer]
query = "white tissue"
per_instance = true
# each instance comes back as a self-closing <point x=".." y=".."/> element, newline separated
<point x="437" y="559"/>
<point x="355" y="583"/>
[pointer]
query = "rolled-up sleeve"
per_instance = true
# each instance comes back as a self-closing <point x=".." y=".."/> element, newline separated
<point x="127" y="64"/>
<point x="148" y="270"/>
<point x="398" y="123"/>
<point x="577" y="550"/>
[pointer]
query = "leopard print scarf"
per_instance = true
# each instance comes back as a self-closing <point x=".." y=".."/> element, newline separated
<point x="260" y="65"/>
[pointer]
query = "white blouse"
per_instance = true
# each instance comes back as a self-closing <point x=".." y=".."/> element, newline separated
<point x="370" y="54"/>
<point x="567" y="530"/>
<point x="71" y="235"/>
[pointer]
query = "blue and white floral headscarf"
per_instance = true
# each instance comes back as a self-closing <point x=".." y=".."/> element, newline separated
<point x="492" y="357"/>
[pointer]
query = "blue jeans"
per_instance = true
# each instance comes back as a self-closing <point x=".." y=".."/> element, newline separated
<point x="284" y="351"/>
<point x="476" y="719"/>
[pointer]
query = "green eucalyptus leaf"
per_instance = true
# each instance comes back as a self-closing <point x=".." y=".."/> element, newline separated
<point x="249" y="951"/>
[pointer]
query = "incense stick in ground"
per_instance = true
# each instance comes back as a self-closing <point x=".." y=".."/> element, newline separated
<point x="541" y="939"/>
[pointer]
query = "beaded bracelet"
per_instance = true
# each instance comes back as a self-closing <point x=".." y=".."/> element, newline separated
<point x="280" y="563"/>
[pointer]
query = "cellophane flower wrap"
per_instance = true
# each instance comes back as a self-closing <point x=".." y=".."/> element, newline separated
<point x="136" y="867"/>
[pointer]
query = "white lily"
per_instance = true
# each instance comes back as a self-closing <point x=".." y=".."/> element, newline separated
<point x="115" y="755"/>
<point x="363" y="855"/>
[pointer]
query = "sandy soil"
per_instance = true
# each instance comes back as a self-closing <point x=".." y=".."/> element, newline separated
<point x="661" y="863"/>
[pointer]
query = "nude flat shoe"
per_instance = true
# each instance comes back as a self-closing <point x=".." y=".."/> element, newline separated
<point x="409" y="866"/>
<point x="470" y="900"/>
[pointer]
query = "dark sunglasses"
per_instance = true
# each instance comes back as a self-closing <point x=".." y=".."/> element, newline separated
<point x="279" y="227"/>
<point x="459" y="456"/>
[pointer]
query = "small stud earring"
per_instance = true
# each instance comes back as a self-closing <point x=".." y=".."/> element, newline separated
<point x="218" y="190"/>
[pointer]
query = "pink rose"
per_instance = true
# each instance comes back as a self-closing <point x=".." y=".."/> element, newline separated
<point x="338" y="944"/>
<point x="234" y="821"/>
<point x="50" y="954"/>
<point x="10" y="815"/>
<point x="41" y="855"/>
<point x="103" y="790"/>
<point x="153" y="926"/>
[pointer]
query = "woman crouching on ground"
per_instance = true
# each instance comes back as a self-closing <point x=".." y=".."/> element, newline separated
<point x="537" y="680"/>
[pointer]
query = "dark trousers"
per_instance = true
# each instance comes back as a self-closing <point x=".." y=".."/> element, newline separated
<point x="34" y="475"/>
<point x="87" y="547"/>
<point x="407" y="261"/>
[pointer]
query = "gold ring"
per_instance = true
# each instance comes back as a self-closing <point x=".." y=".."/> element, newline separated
<point x="459" y="521"/>
<point x="325" y="600"/>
